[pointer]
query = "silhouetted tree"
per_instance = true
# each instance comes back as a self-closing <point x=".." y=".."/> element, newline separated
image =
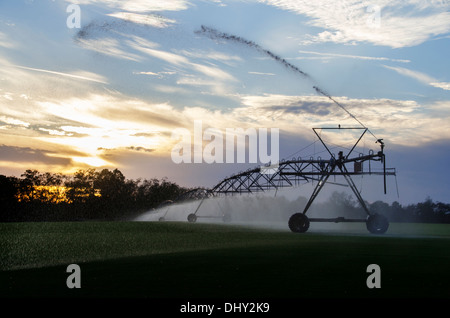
<point x="80" y="188"/>
<point x="108" y="195"/>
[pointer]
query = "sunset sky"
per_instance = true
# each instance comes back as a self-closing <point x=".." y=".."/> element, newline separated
<point x="110" y="93"/>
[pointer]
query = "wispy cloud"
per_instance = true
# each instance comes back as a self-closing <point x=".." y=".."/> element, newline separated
<point x="153" y="20"/>
<point x="357" y="57"/>
<point x="261" y="73"/>
<point x="389" y="23"/>
<point x="160" y="75"/>
<point x="419" y="76"/>
<point x="80" y="75"/>
<point x="5" y="41"/>
<point x="108" y="46"/>
<point x="138" y="5"/>
<point x="211" y="55"/>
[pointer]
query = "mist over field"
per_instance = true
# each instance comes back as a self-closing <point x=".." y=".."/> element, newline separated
<point x="264" y="210"/>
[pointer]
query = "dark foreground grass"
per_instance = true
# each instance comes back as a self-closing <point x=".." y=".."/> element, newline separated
<point x="204" y="261"/>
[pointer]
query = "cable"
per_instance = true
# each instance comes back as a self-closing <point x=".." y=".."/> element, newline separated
<point x="302" y="149"/>
<point x="341" y="106"/>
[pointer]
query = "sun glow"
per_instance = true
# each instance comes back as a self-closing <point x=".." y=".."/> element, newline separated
<point x="92" y="161"/>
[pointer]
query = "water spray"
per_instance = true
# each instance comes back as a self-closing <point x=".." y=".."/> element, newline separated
<point x="215" y="34"/>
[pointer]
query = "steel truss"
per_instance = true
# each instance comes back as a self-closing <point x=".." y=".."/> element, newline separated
<point x="295" y="172"/>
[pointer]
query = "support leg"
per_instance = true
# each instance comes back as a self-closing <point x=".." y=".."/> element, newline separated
<point x="192" y="218"/>
<point x="323" y="179"/>
<point x="354" y="188"/>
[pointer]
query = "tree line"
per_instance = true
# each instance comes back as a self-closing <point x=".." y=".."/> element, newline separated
<point x="427" y="211"/>
<point x="107" y="195"/>
<point x="86" y="195"/>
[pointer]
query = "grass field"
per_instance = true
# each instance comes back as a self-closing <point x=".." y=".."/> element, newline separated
<point x="198" y="261"/>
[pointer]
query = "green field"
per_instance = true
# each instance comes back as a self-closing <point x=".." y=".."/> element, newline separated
<point x="197" y="261"/>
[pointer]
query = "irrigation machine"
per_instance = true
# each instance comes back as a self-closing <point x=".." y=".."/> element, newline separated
<point x="347" y="163"/>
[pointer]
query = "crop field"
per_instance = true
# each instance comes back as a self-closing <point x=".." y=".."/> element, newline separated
<point x="176" y="260"/>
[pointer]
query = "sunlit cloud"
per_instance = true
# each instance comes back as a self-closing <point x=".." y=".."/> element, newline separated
<point x="105" y="128"/>
<point x="415" y="124"/>
<point x="91" y="161"/>
<point x="53" y="131"/>
<point x="14" y="121"/>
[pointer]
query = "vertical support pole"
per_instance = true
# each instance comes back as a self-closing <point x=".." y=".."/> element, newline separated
<point x="384" y="172"/>
<point x="198" y="207"/>
<point x="353" y="187"/>
<point x="165" y="213"/>
<point x="323" y="179"/>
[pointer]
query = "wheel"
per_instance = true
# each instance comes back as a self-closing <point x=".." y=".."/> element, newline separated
<point x="226" y="218"/>
<point x="377" y="224"/>
<point x="192" y="218"/>
<point x="299" y="223"/>
<point x="162" y="219"/>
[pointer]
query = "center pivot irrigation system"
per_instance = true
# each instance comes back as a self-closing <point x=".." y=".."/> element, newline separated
<point x="295" y="172"/>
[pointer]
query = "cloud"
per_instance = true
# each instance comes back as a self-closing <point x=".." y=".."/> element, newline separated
<point x="389" y="23"/>
<point x="6" y="42"/>
<point x="261" y="73"/>
<point x="13" y="121"/>
<point x="357" y="57"/>
<point x="137" y="5"/>
<point x="80" y="75"/>
<point x="443" y="85"/>
<point x="153" y="20"/>
<point x="132" y="148"/>
<point x="401" y="122"/>
<point x="179" y="60"/>
<point x="108" y="46"/>
<point x="419" y="76"/>
<point x="31" y="155"/>
<point x="107" y="121"/>
<point x="211" y="55"/>
<point x="53" y="131"/>
<point x="130" y="41"/>
<point x="105" y="128"/>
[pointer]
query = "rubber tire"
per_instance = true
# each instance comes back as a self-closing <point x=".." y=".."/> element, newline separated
<point x="377" y="224"/>
<point x="192" y="218"/>
<point x="298" y="223"/>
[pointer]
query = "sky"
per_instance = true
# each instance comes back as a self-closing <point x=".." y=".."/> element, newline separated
<point x="107" y="84"/>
